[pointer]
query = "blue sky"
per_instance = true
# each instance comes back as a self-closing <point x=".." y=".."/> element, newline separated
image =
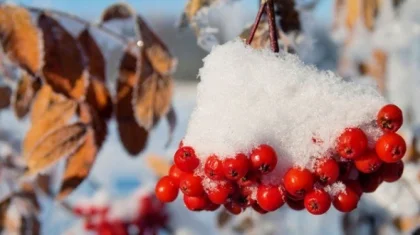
<point x="92" y="9"/>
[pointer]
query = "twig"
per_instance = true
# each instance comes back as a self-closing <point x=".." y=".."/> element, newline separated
<point x="111" y="33"/>
<point x="272" y="26"/>
<point x="256" y="23"/>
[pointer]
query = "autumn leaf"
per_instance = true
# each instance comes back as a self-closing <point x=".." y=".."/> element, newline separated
<point x="4" y="206"/>
<point x="96" y="61"/>
<point x="24" y="94"/>
<point x="191" y="9"/>
<point x="43" y="182"/>
<point x="20" y="38"/>
<point x="133" y="136"/>
<point x="30" y="225"/>
<point x="158" y="164"/>
<point x="152" y="95"/>
<point x="54" y="117"/>
<point x="288" y="15"/>
<point x="64" y="68"/>
<point x="89" y="116"/>
<point x="41" y="102"/>
<point x="29" y="198"/>
<point x="99" y="97"/>
<point x="156" y="51"/>
<point x="56" y="145"/>
<point x="5" y="96"/>
<point x="117" y="11"/>
<point x="261" y="36"/>
<point x="223" y="218"/>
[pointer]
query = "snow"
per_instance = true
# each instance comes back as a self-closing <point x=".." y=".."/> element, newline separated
<point x="249" y="97"/>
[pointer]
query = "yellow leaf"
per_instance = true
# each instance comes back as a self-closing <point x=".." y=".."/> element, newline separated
<point x="117" y="11"/>
<point x="24" y="94"/>
<point x="158" y="164"/>
<point x="99" y="97"/>
<point x="96" y="61"/>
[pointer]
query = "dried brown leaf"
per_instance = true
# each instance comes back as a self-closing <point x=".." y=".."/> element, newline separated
<point x="54" y="117"/>
<point x="24" y="94"/>
<point x="89" y="116"/>
<point x="20" y="38"/>
<point x="4" y="206"/>
<point x="158" y="164"/>
<point x="41" y="102"/>
<point x="5" y="96"/>
<point x="96" y="61"/>
<point x="223" y="218"/>
<point x="117" y="11"/>
<point x="246" y="225"/>
<point x="44" y="183"/>
<point x="27" y="193"/>
<point x="99" y="97"/>
<point x="191" y="9"/>
<point x="157" y="52"/>
<point x="64" y="68"/>
<point x="133" y="137"/>
<point x="78" y="165"/>
<point x="288" y="15"/>
<point x="56" y="145"/>
<point x="30" y="225"/>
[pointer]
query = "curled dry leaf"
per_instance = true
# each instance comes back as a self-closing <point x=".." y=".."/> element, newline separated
<point x="64" y="68"/>
<point x="157" y="52"/>
<point x="29" y="201"/>
<point x="41" y="102"/>
<point x="96" y="61"/>
<point x="133" y="137"/>
<point x="43" y="182"/>
<point x="78" y="165"/>
<point x="158" y="164"/>
<point x="56" y="116"/>
<point x="20" y="38"/>
<point x="152" y="94"/>
<point x="191" y="9"/>
<point x="89" y="116"/>
<point x="4" y="206"/>
<point x="99" y="97"/>
<point x="261" y="36"/>
<point x="289" y="16"/>
<point x="5" y="96"/>
<point x="24" y="94"/>
<point x="56" y="145"/>
<point x="117" y="11"/>
<point x="30" y="225"/>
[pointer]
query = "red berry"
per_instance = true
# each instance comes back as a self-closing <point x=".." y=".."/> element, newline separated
<point x="233" y="208"/>
<point x="270" y="197"/>
<point x="249" y="179"/>
<point x="175" y="173"/>
<point x="390" y="118"/>
<point x="214" y="168"/>
<point x="352" y="143"/>
<point x="297" y="205"/>
<point x="220" y="193"/>
<point x="212" y="207"/>
<point x="355" y="186"/>
<point x="348" y="171"/>
<point x="390" y="147"/>
<point x="185" y="159"/>
<point x="235" y="168"/>
<point x="263" y="159"/>
<point x="370" y="182"/>
<point x="166" y="189"/>
<point x="317" y="201"/>
<point x="191" y="185"/>
<point x="90" y="225"/>
<point x="79" y="211"/>
<point x="298" y="181"/>
<point x="327" y="170"/>
<point x="258" y="208"/>
<point x="196" y="203"/>
<point x="392" y="172"/>
<point x="368" y="162"/>
<point x="346" y="200"/>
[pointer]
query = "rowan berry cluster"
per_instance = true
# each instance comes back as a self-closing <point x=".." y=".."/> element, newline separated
<point x="236" y="182"/>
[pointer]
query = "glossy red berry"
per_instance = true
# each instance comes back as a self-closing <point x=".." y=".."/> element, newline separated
<point x="175" y="173"/>
<point x="212" y="207"/>
<point x="327" y="170"/>
<point x="317" y="201"/>
<point x="352" y="143"/>
<point x="196" y="203"/>
<point x="370" y="182"/>
<point x="220" y="193"/>
<point x="346" y="200"/>
<point x="348" y="171"/>
<point x="258" y="208"/>
<point x="263" y="159"/>
<point x="296" y="205"/>
<point x="166" y="189"/>
<point x="233" y="208"/>
<point x="369" y="162"/>
<point x="270" y="197"/>
<point x="213" y="168"/>
<point x="390" y="147"/>
<point x="392" y="172"/>
<point x="236" y="167"/>
<point x="185" y="159"/>
<point x="298" y="181"/>
<point x="355" y="186"/>
<point x="191" y="185"/>
<point x="251" y="178"/>
<point x="390" y="118"/>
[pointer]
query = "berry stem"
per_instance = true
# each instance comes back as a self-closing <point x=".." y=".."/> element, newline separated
<point x="272" y="26"/>
<point x="256" y="23"/>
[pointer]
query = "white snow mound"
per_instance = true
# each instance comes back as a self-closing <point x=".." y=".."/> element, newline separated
<point x="248" y="97"/>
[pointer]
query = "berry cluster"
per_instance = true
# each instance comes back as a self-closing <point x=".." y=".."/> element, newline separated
<point x="148" y="220"/>
<point x="238" y="182"/>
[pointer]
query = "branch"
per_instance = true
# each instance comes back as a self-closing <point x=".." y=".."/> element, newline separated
<point x="114" y="35"/>
<point x="256" y="23"/>
<point x="272" y="26"/>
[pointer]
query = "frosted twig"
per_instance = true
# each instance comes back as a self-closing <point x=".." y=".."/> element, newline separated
<point x="114" y="35"/>
<point x="272" y="26"/>
<point x="256" y="23"/>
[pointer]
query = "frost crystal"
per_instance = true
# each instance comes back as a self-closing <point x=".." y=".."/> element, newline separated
<point x="249" y="97"/>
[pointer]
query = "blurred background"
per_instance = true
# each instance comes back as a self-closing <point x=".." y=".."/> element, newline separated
<point x="372" y="41"/>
